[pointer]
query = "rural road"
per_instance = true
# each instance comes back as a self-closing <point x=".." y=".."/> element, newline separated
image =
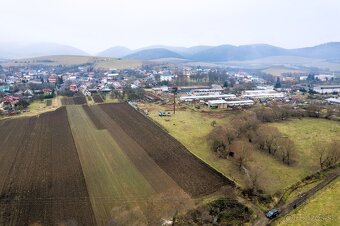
<point x="285" y="209"/>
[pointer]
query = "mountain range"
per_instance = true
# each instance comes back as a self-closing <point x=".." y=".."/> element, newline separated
<point x="13" y="50"/>
<point x="227" y="52"/>
<point x="222" y="53"/>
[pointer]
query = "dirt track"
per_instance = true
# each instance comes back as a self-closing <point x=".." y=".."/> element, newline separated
<point x="41" y="180"/>
<point x="286" y="209"/>
<point x="190" y="173"/>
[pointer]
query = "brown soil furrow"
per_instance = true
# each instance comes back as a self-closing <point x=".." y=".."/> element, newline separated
<point x="190" y="173"/>
<point x="43" y="183"/>
<point x="159" y="180"/>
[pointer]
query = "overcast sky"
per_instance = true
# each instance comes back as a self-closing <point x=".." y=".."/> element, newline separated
<point x="94" y="25"/>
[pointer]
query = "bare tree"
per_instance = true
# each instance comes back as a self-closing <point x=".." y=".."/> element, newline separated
<point x="219" y="142"/>
<point x="254" y="174"/>
<point x="244" y="122"/>
<point x="265" y="114"/>
<point x="334" y="152"/>
<point x="287" y="150"/>
<point x="329" y="154"/>
<point x="267" y="138"/>
<point x="321" y="149"/>
<point x="231" y="134"/>
<point x="243" y="151"/>
<point x="238" y="125"/>
<point x="314" y="110"/>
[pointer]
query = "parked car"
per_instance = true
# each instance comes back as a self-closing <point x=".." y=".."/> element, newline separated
<point x="271" y="214"/>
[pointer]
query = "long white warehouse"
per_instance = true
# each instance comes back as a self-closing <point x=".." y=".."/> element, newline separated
<point x="262" y="94"/>
<point x="206" y="97"/>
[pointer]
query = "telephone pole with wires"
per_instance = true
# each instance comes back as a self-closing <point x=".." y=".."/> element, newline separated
<point x="174" y="91"/>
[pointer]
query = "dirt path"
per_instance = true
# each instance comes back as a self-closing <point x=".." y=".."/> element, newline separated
<point x="286" y="209"/>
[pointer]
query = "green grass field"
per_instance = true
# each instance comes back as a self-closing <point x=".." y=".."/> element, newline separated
<point x="322" y="209"/>
<point x="109" y="99"/>
<point x="276" y="176"/>
<point x="37" y="106"/>
<point x="192" y="127"/>
<point x="305" y="133"/>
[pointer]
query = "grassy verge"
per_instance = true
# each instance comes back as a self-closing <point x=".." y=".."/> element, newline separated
<point x="109" y="99"/>
<point x="36" y="107"/>
<point x="322" y="209"/>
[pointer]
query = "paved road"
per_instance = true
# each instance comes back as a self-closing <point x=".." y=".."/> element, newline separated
<point x="285" y="209"/>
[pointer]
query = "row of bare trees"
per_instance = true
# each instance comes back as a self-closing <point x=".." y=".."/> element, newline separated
<point x="244" y="134"/>
<point x="269" y="139"/>
<point x="276" y="112"/>
<point x="328" y="153"/>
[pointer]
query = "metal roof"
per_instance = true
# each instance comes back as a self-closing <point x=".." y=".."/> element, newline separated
<point x="333" y="100"/>
<point x="217" y="102"/>
<point x="207" y="97"/>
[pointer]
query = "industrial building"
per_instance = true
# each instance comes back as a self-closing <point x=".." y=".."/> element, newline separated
<point x="327" y="89"/>
<point x="217" y="104"/>
<point x="240" y="103"/>
<point x="207" y="97"/>
<point x="262" y="93"/>
<point x="333" y="100"/>
<point x="199" y="92"/>
<point x="160" y="90"/>
<point x="225" y="104"/>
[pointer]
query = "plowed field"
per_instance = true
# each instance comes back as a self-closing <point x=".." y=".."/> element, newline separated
<point x="124" y="183"/>
<point x="73" y="100"/>
<point x="98" y="99"/>
<point x="190" y="173"/>
<point x="41" y="180"/>
<point x="96" y="165"/>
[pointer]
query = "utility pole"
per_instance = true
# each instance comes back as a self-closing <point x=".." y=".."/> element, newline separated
<point x="174" y="90"/>
<point x="174" y="217"/>
<point x="174" y="103"/>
